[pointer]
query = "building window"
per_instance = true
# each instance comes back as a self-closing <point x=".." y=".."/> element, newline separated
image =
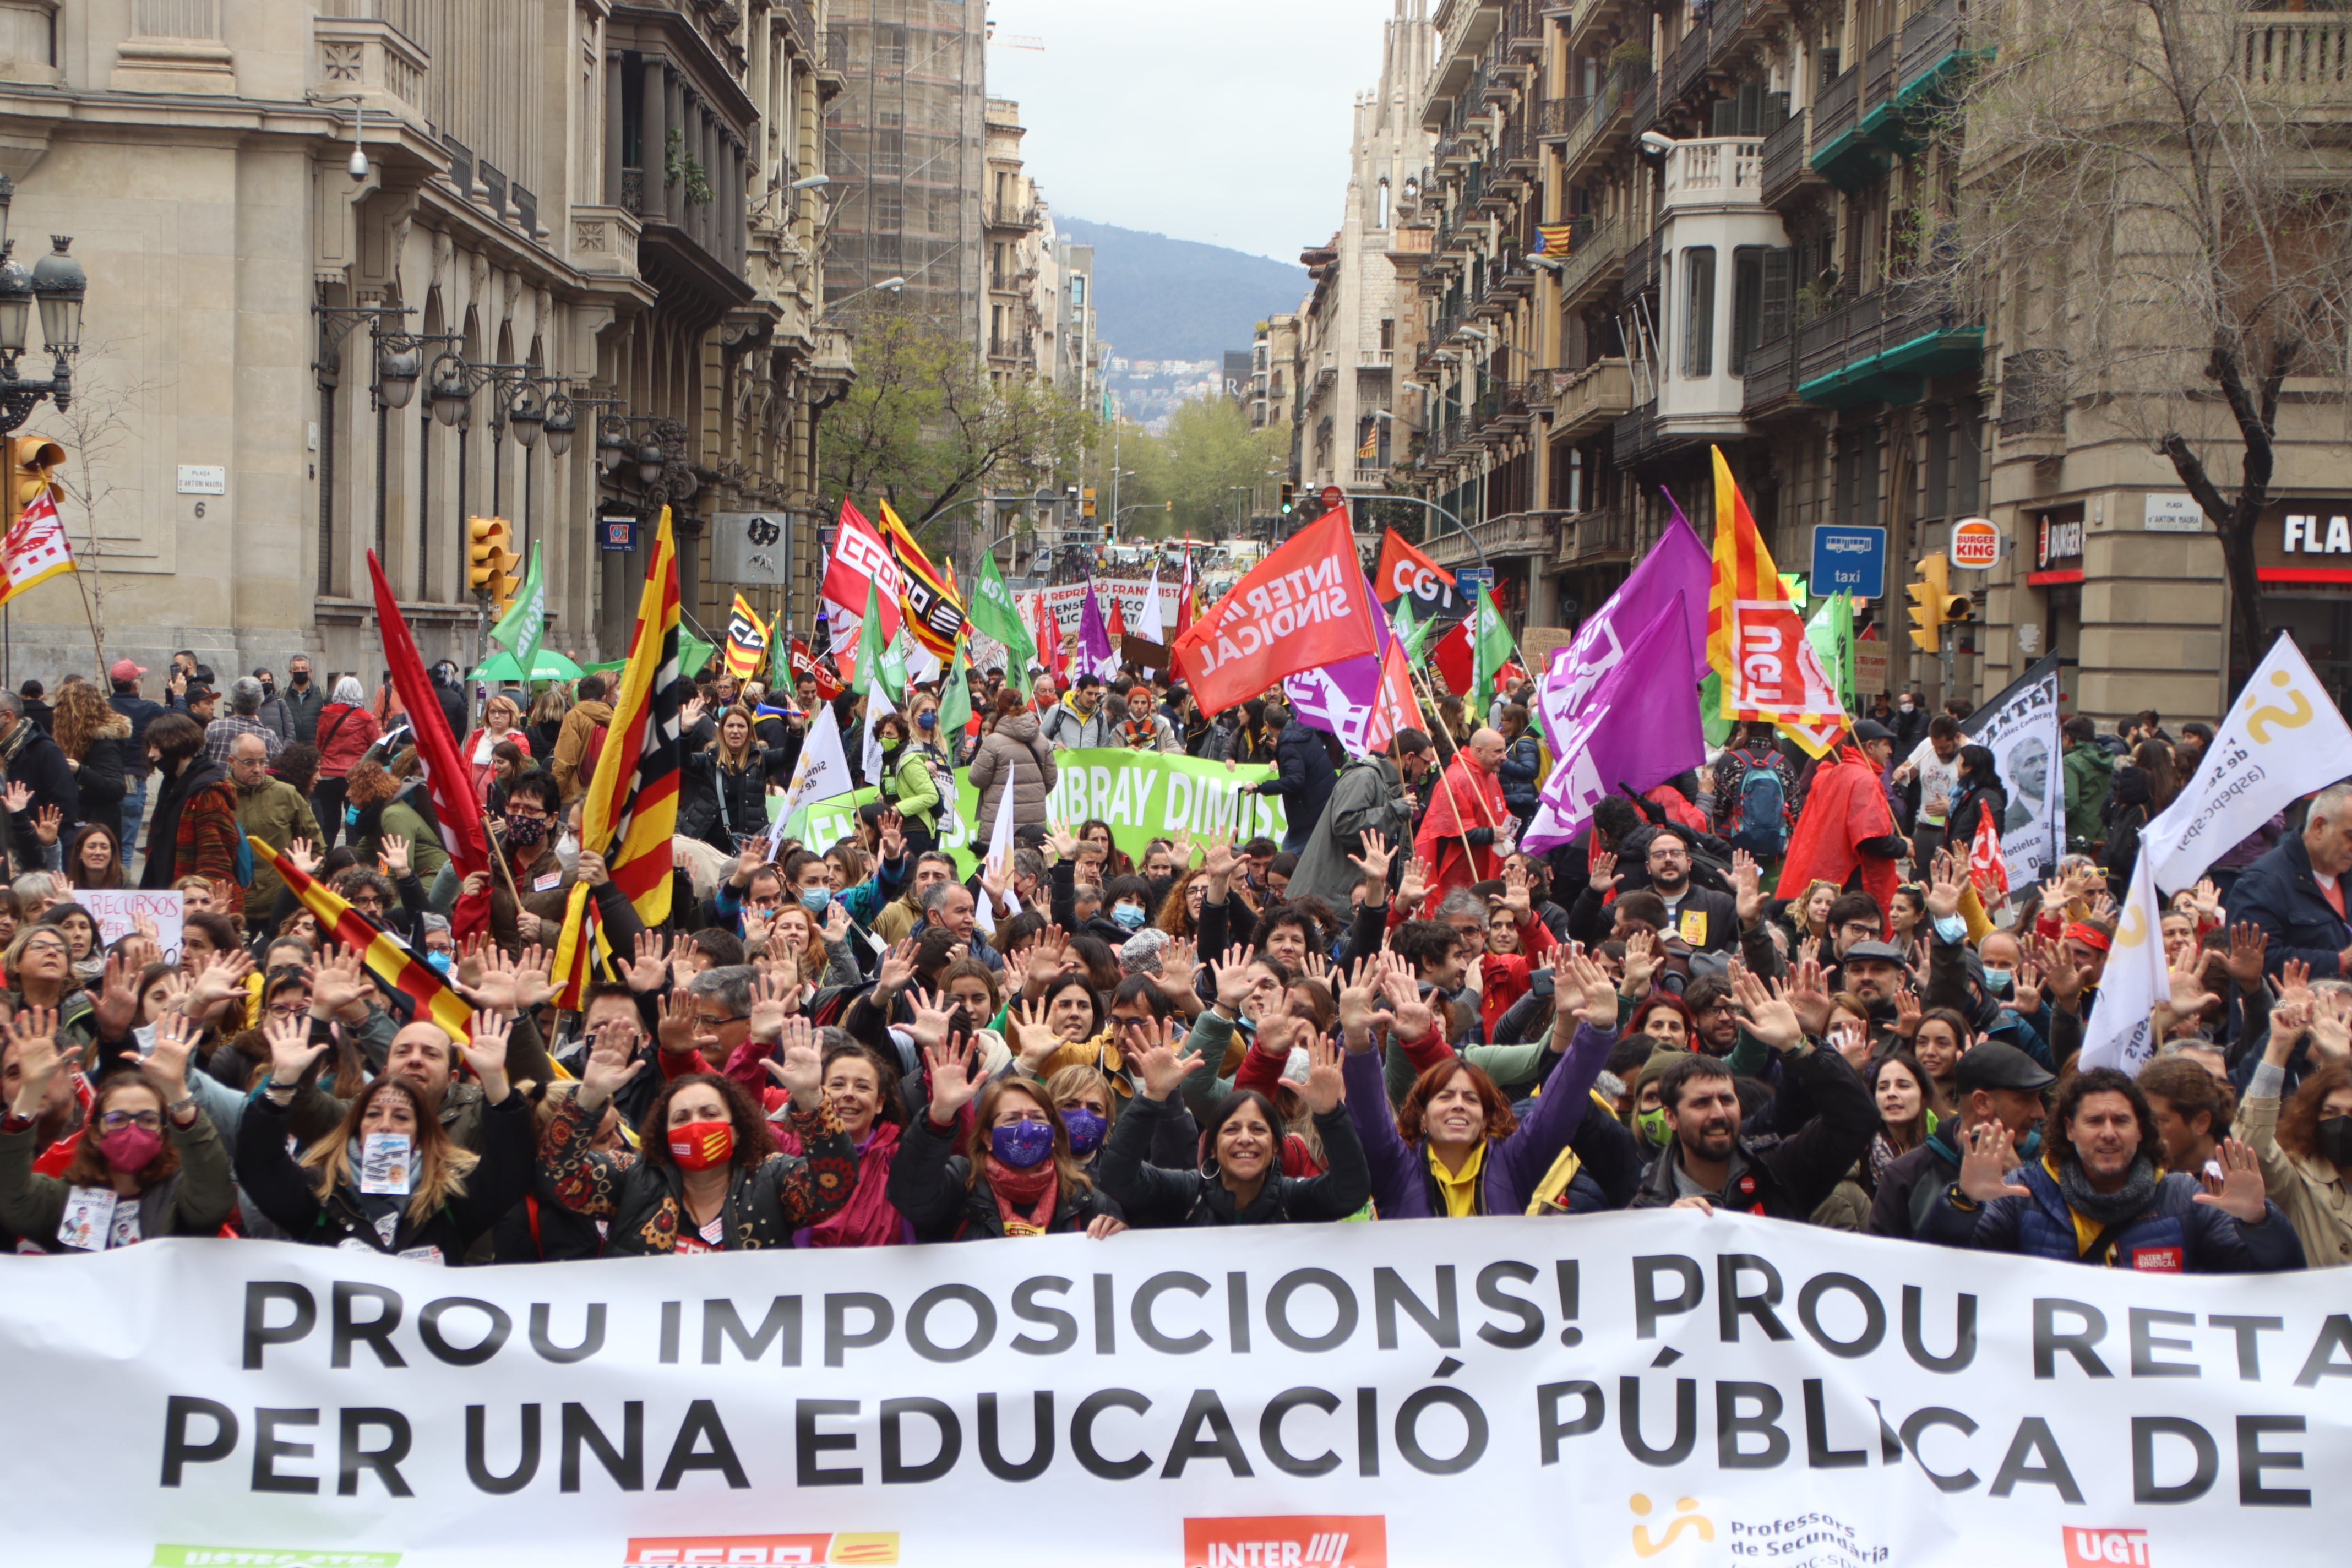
<point x="1380" y="208"/>
<point x="1698" y="311"/>
<point x="1747" y="305"/>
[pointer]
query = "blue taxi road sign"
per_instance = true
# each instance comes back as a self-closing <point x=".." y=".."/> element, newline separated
<point x="1849" y="561"/>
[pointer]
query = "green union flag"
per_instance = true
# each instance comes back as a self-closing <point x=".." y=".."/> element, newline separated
<point x="519" y="629"/>
<point x="1491" y="646"/>
<point x="995" y="615"/>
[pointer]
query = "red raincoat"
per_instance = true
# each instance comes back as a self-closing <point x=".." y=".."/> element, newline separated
<point x="1845" y="806"/>
<point x="1454" y="809"/>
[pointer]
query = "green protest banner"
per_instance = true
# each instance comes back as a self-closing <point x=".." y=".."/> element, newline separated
<point x="1142" y="795"/>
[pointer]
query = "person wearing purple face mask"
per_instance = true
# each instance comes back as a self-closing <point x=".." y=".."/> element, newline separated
<point x="1083" y="1096"/>
<point x="1017" y="1174"/>
<point x="148" y="1162"/>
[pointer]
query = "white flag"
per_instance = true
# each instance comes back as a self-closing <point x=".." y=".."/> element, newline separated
<point x="1155" y="613"/>
<point x="2283" y="739"/>
<point x="822" y="771"/>
<point x="877" y="707"/>
<point x="1000" y="851"/>
<point x="2119" y="1032"/>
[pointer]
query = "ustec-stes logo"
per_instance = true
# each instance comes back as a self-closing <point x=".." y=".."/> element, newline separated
<point x="809" y="1550"/>
<point x="1288" y="1541"/>
<point x="2106" y="1548"/>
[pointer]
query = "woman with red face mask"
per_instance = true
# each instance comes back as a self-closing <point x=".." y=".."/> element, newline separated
<point x="708" y="1176"/>
<point x="148" y="1162"/>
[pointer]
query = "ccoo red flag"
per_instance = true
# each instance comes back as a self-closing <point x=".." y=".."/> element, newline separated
<point x="859" y="557"/>
<point x="1301" y="607"/>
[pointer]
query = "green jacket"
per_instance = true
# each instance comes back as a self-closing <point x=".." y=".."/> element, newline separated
<point x="2090" y="773"/>
<point x="191" y="1202"/>
<point x="276" y="814"/>
<point x="426" y="855"/>
<point x="907" y="786"/>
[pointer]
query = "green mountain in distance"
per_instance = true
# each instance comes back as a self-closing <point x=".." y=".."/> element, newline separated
<point x="1178" y="298"/>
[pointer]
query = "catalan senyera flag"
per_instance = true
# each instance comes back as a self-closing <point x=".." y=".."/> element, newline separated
<point x="630" y="810"/>
<point x="926" y="596"/>
<point x="36" y="549"/>
<point x="1370" y="446"/>
<point x="1755" y="636"/>
<point x="747" y="640"/>
<point x="388" y="958"/>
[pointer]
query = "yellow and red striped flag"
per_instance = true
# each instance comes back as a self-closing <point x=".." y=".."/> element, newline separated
<point x="388" y="958"/>
<point x="1756" y="635"/>
<point x="746" y="651"/>
<point x="630" y="810"/>
<point x="927" y="599"/>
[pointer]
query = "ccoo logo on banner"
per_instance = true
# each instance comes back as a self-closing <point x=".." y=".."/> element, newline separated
<point x="1667" y="1388"/>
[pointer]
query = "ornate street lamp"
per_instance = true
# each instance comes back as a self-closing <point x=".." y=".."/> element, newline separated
<point x="58" y="285"/>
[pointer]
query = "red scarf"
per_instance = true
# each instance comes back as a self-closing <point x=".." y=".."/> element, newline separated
<point x="1036" y="1189"/>
<point x="867" y="1219"/>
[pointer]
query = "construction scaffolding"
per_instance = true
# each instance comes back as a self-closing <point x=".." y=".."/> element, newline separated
<point x="904" y="144"/>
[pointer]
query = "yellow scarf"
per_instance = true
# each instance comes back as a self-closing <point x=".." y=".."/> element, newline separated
<point x="1459" y="1189"/>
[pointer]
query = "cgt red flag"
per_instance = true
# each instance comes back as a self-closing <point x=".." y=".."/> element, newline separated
<point x="1405" y="573"/>
<point x="1298" y="608"/>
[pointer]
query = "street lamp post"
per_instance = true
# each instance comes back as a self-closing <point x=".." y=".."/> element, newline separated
<point x="58" y="284"/>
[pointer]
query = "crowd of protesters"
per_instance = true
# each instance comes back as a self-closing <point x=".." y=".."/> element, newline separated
<point x="1391" y="1012"/>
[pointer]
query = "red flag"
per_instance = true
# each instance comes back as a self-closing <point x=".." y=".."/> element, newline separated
<point x="1405" y="571"/>
<point x="1397" y="708"/>
<point x="1051" y="654"/>
<point x="436" y="752"/>
<point x="1117" y="625"/>
<point x="1301" y="607"/>
<point x="1452" y="656"/>
<point x="1186" y="596"/>
<point x="828" y="685"/>
<point x="1988" y="867"/>
<point x="859" y="557"/>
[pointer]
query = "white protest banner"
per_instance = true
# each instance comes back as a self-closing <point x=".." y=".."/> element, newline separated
<point x="2120" y="1032"/>
<point x="1668" y="1387"/>
<point x="1000" y="847"/>
<point x="2284" y="738"/>
<point x="822" y="770"/>
<point x="118" y="911"/>
<point x="2020" y="727"/>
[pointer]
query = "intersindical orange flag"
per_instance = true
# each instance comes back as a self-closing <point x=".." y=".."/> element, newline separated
<point x="1756" y="632"/>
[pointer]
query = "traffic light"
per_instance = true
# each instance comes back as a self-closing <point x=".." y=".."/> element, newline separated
<point x="1933" y="603"/>
<point x="33" y="461"/>
<point x="1289" y="492"/>
<point x="1086" y="501"/>
<point x="490" y="560"/>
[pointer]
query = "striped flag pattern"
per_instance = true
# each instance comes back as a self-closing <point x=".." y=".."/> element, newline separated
<point x="1748" y="608"/>
<point x="388" y="958"/>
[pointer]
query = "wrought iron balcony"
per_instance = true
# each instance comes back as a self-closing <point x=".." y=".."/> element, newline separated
<point x="1882" y="346"/>
<point x="1687" y="67"/>
<point x="1595" y="250"/>
<point x="1770" y="386"/>
<point x="1784" y="172"/>
<point x="1514" y="536"/>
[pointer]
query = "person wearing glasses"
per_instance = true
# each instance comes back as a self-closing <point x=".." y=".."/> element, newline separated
<point x="40" y="969"/>
<point x="146" y="1163"/>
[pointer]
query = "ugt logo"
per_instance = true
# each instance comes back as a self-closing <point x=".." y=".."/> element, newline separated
<point x="2106" y="1548"/>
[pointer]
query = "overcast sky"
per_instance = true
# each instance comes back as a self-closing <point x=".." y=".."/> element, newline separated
<point x="1220" y="120"/>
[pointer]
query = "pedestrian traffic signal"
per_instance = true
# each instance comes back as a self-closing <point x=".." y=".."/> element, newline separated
<point x="1933" y="603"/>
<point x="33" y="462"/>
<point x="1086" y="501"/>
<point x="490" y="560"/>
<point x="1287" y="490"/>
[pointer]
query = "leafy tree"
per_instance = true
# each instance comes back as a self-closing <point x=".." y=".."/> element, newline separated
<point x="925" y="425"/>
<point x="1209" y="458"/>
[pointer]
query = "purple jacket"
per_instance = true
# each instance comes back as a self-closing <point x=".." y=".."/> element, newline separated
<point x="1400" y="1180"/>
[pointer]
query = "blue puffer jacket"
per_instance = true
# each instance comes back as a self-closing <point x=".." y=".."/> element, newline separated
<point x="2175" y="1234"/>
<point x="1520" y="771"/>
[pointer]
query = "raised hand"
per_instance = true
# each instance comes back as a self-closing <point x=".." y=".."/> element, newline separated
<point x="1326" y="1085"/>
<point x="1048" y="957"/>
<point x="167" y="1064"/>
<point x="897" y="968"/>
<point x="395" y="855"/>
<point x="774" y="998"/>
<point x="933" y="1012"/>
<point x="1061" y="842"/>
<point x="1944" y="893"/>
<point x="894" y="836"/>
<point x="799" y="1065"/>
<point x="2240" y="1193"/>
<point x="17" y="797"/>
<point x="304" y="854"/>
<point x="646" y="971"/>
<point x="953" y="1085"/>
<point x="1156" y="1051"/>
<point x="34" y="1032"/>
<point x="837" y="921"/>
<point x="291" y="1049"/>
<point x="1415" y="1018"/>
<point x="1746" y="887"/>
<point x="1374" y="863"/>
<point x="610" y="1063"/>
<point x="1907" y="1012"/>
<point x="1359" y="1008"/>
<point x="1413" y="885"/>
<point x="2295" y="981"/>
<point x="485" y="1052"/>
<point x="2331" y="1034"/>
<point x="1989" y="1157"/>
<point x="222" y="980"/>
<point x="1181" y="850"/>
<point x="46" y="821"/>
<point x="2025" y="989"/>
<point x="1231" y="977"/>
<point x="1600" y="865"/>
<point x="117" y="997"/>
<point x="1033" y="1041"/>
<point x="1810" y="997"/>
<point x="1515" y="895"/>
<point x="1218" y="863"/>
<point x="1641" y="962"/>
<point x="1591" y="996"/>
<point x="337" y="981"/>
<point x="1766" y="1016"/>
<point x="2248" y="942"/>
<point x="674" y="1031"/>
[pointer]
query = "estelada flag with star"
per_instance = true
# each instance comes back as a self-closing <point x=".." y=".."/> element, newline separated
<point x="36" y="549"/>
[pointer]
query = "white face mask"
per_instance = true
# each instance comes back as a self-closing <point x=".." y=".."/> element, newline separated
<point x="1906" y="705"/>
<point x="567" y="851"/>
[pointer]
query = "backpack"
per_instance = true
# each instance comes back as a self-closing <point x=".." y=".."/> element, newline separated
<point x="590" y="749"/>
<point x="1760" y="814"/>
